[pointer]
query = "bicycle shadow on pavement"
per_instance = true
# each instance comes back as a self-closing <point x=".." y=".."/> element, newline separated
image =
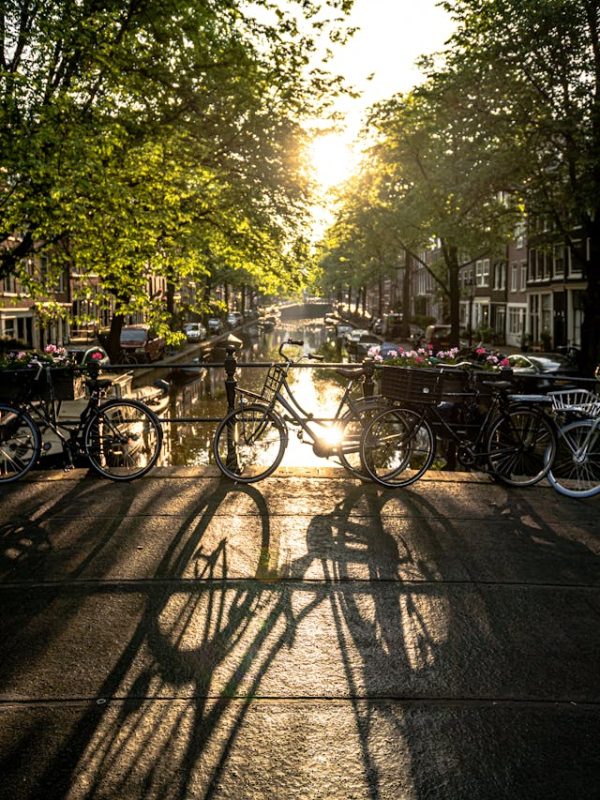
<point x="429" y="652"/>
<point x="179" y="691"/>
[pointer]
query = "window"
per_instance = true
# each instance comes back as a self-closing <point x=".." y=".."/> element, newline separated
<point x="482" y="272"/>
<point x="516" y="321"/>
<point x="558" y="260"/>
<point x="523" y="276"/>
<point x="533" y="273"/>
<point x="500" y="276"/>
<point x="9" y="329"/>
<point x="573" y="261"/>
<point x="514" y="277"/>
<point x="520" y="234"/>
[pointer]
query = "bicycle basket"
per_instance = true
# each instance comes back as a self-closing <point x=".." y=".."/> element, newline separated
<point x="581" y="401"/>
<point x="424" y="385"/>
<point x="411" y="385"/>
<point x="21" y="384"/>
<point x="273" y="382"/>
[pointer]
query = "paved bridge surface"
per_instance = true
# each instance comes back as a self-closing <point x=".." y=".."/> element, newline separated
<point x="309" y="637"/>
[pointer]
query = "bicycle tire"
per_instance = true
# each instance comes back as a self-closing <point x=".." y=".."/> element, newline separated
<point x="575" y="474"/>
<point x="20" y="443"/>
<point x="249" y="443"/>
<point x="353" y="424"/>
<point x="520" y="447"/>
<point x="397" y="448"/>
<point x="123" y="440"/>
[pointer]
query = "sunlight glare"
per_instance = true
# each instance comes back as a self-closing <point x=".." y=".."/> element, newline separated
<point x="332" y="159"/>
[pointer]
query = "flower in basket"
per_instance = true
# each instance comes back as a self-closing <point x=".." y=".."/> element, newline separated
<point x="52" y="355"/>
<point x="422" y="357"/>
<point x="487" y="359"/>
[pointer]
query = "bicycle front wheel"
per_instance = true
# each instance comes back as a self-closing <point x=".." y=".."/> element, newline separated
<point x="521" y="446"/>
<point x="575" y="471"/>
<point x="123" y="440"/>
<point x="20" y="443"/>
<point x="249" y="443"/>
<point x="397" y="447"/>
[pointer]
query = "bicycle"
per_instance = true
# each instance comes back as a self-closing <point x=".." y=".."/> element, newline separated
<point x="251" y="440"/>
<point x="513" y="440"/>
<point x="121" y="438"/>
<point x="575" y="469"/>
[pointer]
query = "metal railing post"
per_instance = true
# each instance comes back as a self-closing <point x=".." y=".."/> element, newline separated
<point x="230" y="384"/>
<point x="230" y="381"/>
<point x="368" y="383"/>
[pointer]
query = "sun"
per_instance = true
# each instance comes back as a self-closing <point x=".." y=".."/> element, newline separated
<point x="332" y="159"/>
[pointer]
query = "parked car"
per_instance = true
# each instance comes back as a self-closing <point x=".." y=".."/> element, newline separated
<point x="364" y="344"/>
<point x="377" y="326"/>
<point x="234" y="318"/>
<point x="437" y="337"/>
<point x="354" y="337"/>
<point x="342" y="329"/>
<point x="389" y="349"/>
<point x="214" y="325"/>
<point x="540" y="371"/>
<point x="194" y="331"/>
<point x="140" y="343"/>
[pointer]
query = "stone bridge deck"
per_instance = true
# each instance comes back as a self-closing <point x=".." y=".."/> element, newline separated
<point x="308" y="637"/>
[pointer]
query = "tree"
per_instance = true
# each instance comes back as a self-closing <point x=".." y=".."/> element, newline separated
<point x="135" y="136"/>
<point x="536" y="67"/>
<point x="443" y="179"/>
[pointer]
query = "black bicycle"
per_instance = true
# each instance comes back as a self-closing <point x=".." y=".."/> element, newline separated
<point x="507" y="435"/>
<point x="250" y="441"/>
<point x="120" y="438"/>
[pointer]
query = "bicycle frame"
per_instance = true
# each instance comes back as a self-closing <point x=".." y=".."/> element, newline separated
<point x="45" y="415"/>
<point x="299" y="416"/>
<point x="473" y="447"/>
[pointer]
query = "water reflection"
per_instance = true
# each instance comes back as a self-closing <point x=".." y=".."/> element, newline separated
<point x="203" y="394"/>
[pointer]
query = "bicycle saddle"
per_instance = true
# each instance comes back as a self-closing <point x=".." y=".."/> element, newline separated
<point x="349" y="372"/>
<point x="103" y="383"/>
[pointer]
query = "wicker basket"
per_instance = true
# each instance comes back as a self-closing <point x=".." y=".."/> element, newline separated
<point x="60" y="384"/>
<point x="423" y="385"/>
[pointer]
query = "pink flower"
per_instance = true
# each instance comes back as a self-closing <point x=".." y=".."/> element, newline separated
<point x="505" y="362"/>
<point x="480" y="351"/>
<point x="392" y="354"/>
<point x="97" y="356"/>
<point x="51" y="348"/>
<point x="21" y="354"/>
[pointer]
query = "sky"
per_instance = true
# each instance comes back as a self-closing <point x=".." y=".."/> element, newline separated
<point x="392" y="36"/>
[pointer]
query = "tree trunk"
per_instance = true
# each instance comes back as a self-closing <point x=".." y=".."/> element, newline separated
<point x="590" y="329"/>
<point x="112" y="342"/>
<point x="451" y="256"/>
<point x="406" y="315"/>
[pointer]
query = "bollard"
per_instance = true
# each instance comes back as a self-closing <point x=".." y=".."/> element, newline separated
<point x="368" y="383"/>
<point x="230" y="384"/>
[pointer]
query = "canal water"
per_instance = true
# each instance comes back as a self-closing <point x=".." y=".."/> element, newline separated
<point x="201" y="393"/>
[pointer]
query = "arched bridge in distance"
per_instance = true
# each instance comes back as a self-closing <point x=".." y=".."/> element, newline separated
<point x="310" y="309"/>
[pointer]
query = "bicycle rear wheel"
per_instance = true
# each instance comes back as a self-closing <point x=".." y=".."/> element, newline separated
<point x="575" y="471"/>
<point x="521" y="446"/>
<point x="353" y="423"/>
<point x="397" y="447"/>
<point x="20" y="443"/>
<point x="123" y="440"/>
<point x="249" y="443"/>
